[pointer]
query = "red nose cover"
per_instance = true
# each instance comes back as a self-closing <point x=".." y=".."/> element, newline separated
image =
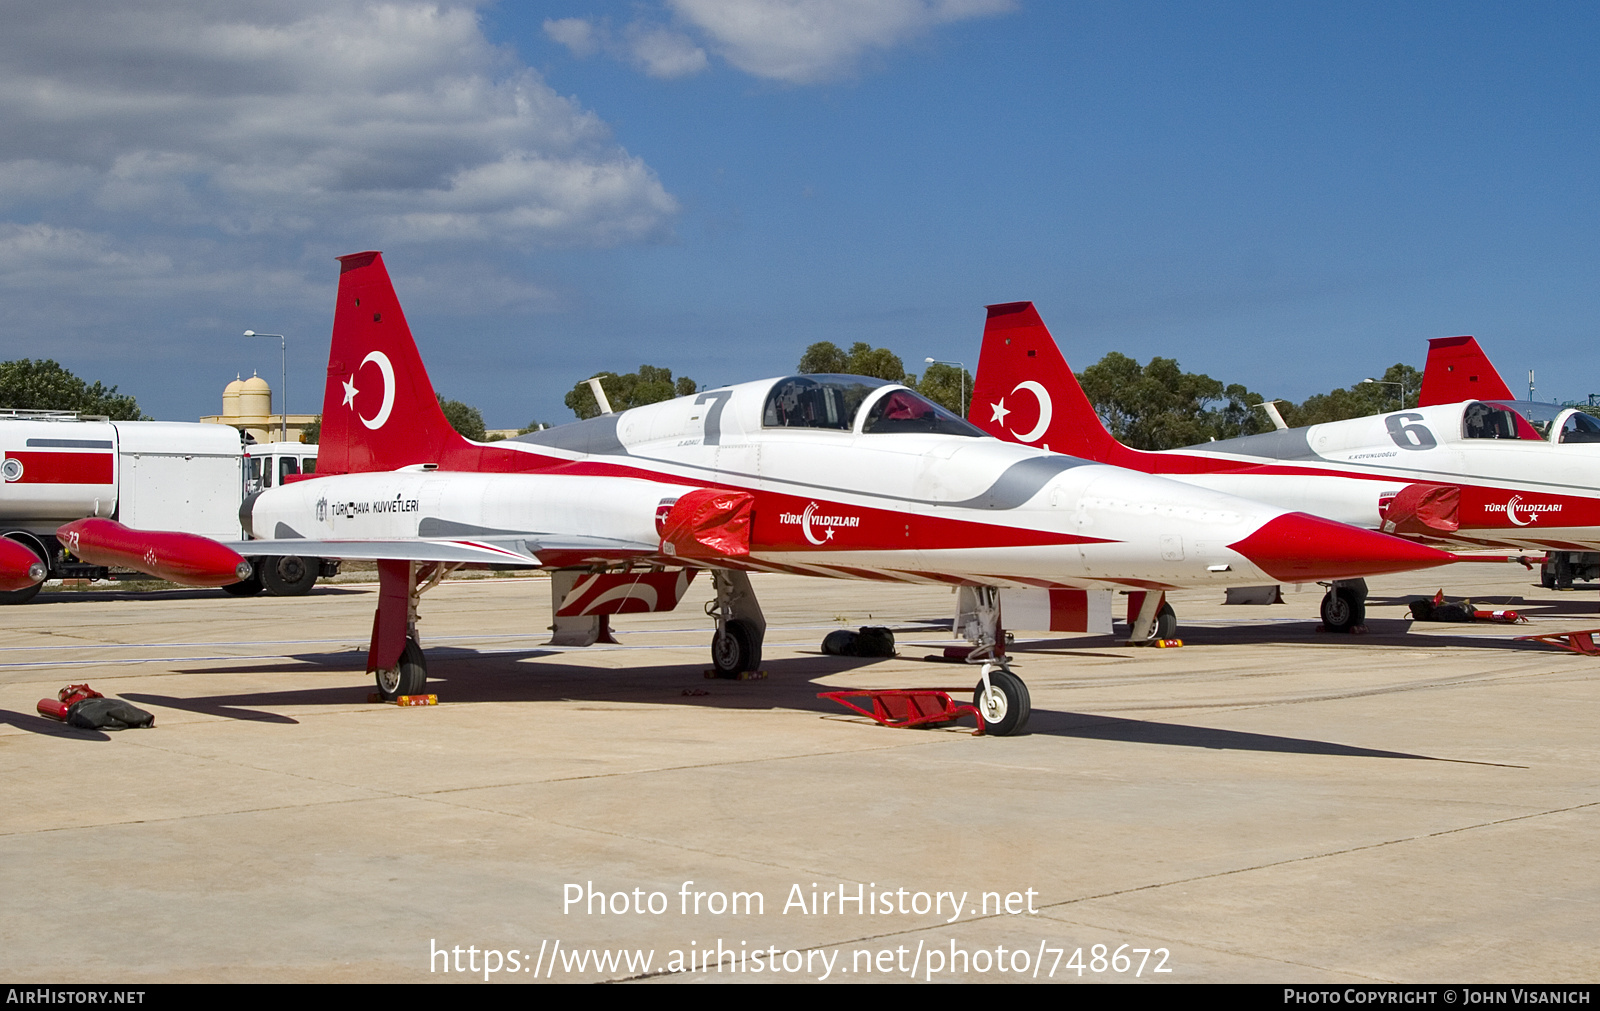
<point x="1297" y="548"/>
<point x="180" y="558"/>
<point x="709" y="523"/>
<point x="1424" y="509"/>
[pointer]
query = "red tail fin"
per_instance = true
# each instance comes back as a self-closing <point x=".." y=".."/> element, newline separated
<point x="1025" y="392"/>
<point x="1458" y="370"/>
<point x="379" y="411"/>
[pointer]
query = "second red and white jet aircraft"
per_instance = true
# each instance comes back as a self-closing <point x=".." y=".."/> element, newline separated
<point x="1466" y="473"/>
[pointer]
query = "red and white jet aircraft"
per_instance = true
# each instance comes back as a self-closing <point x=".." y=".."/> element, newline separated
<point x="827" y="475"/>
<point x="1465" y="472"/>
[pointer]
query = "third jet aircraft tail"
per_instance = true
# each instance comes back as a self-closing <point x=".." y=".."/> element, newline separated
<point x="1458" y="370"/>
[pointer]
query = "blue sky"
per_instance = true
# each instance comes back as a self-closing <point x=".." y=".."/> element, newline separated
<point x="1291" y="196"/>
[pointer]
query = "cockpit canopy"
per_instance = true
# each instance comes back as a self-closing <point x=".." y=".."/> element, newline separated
<point x="1535" y="420"/>
<point x="828" y="401"/>
<point x="1482" y="420"/>
<point x="818" y="401"/>
<point x="1580" y="427"/>
<point x="903" y="411"/>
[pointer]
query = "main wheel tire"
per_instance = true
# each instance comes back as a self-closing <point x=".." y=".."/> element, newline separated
<point x="406" y="677"/>
<point x="288" y="575"/>
<point x="1563" y="574"/>
<point x="1006" y="707"/>
<point x="736" y="650"/>
<point x="247" y="587"/>
<point x="1343" y="609"/>
<point x="1547" y="577"/>
<point x="1166" y="626"/>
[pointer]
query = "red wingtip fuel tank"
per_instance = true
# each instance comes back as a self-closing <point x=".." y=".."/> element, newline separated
<point x="20" y="568"/>
<point x="188" y="559"/>
<point x="1300" y="548"/>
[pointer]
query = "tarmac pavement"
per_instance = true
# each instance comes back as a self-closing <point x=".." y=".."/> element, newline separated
<point x="1266" y="804"/>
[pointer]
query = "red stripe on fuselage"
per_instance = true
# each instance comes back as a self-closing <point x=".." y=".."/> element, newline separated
<point x="64" y="468"/>
<point x="781" y="520"/>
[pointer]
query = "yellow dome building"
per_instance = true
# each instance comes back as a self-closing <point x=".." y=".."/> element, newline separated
<point x="247" y="406"/>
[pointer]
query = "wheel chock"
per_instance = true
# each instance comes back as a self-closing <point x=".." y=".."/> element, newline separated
<point x="744" y="675"/>
<point x="907" y="707"/>
<point x="1581" y="642"/>
<point x="405" y="700"/>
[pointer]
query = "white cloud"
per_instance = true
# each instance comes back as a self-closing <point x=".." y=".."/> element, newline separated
<point x="806" y="41"/>
<point x="794" y="41"/>
<point x="322" y="119"/>
<point x="36" y="254"/>
<point x="658" y="51"/>
<point x="576" y="34"/>
<point x="662" y="52"/>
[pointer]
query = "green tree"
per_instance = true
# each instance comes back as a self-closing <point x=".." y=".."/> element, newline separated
<point x="861" y="360"/>
<point x="312" y="433"/>
<point x="650" y="385"/>
<point x="44" y="385"/>
<point x="947" y="386"/>
<point x="824" y="356"/>
<point x="1159" y="406"/>
<point x="464" y="419"/>
<point x="1360" y="400"/>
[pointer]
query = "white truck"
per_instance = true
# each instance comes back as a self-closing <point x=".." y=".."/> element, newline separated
<point x="56" y="467"/>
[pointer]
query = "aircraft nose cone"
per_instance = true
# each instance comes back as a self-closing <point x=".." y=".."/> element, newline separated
<point x="1298" y="548"/>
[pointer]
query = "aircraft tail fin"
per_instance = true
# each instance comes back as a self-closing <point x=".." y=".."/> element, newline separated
<point x="379" y="410"/>
<point x="1025" y="392"/>
<point x="1458" y="370"/>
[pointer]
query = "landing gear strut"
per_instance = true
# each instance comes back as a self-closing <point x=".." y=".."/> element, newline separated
<point x="1000" y="695"/>
<point x="1150" y="618"/>
<point x="395" y="658"/>
<point x="741" y="627"/>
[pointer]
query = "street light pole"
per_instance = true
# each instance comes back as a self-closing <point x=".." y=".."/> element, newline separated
<point x="283" y="381"/>
<point x="961" y="370"/>
<point x="1385" y="382"/>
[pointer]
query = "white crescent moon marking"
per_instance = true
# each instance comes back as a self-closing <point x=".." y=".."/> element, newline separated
<point x="805" y="524"/>
<point x="631" y="591"/>
<point x="1511" y="511"/>
<point x="1042" y="395"/>
<point x="381" y="360"/>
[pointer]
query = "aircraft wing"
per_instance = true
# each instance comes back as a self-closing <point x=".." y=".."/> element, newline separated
<point x="529" y="550"/>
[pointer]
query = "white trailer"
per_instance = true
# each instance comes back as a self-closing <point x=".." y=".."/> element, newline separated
<point x="56" y="467"/>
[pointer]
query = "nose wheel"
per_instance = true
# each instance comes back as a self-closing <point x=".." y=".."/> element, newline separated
<point x="735" y="649"/>
<point x="1003" y="700"/>
<point x="1344" y="608"/>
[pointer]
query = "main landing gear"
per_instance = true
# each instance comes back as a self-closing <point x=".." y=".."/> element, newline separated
<point x="741" y="627"/>
<point x="1000" y="695"/>
<point x="395" y="658"/>
<point x="1344" y="606"/>
<point x="1150" y="618"/>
